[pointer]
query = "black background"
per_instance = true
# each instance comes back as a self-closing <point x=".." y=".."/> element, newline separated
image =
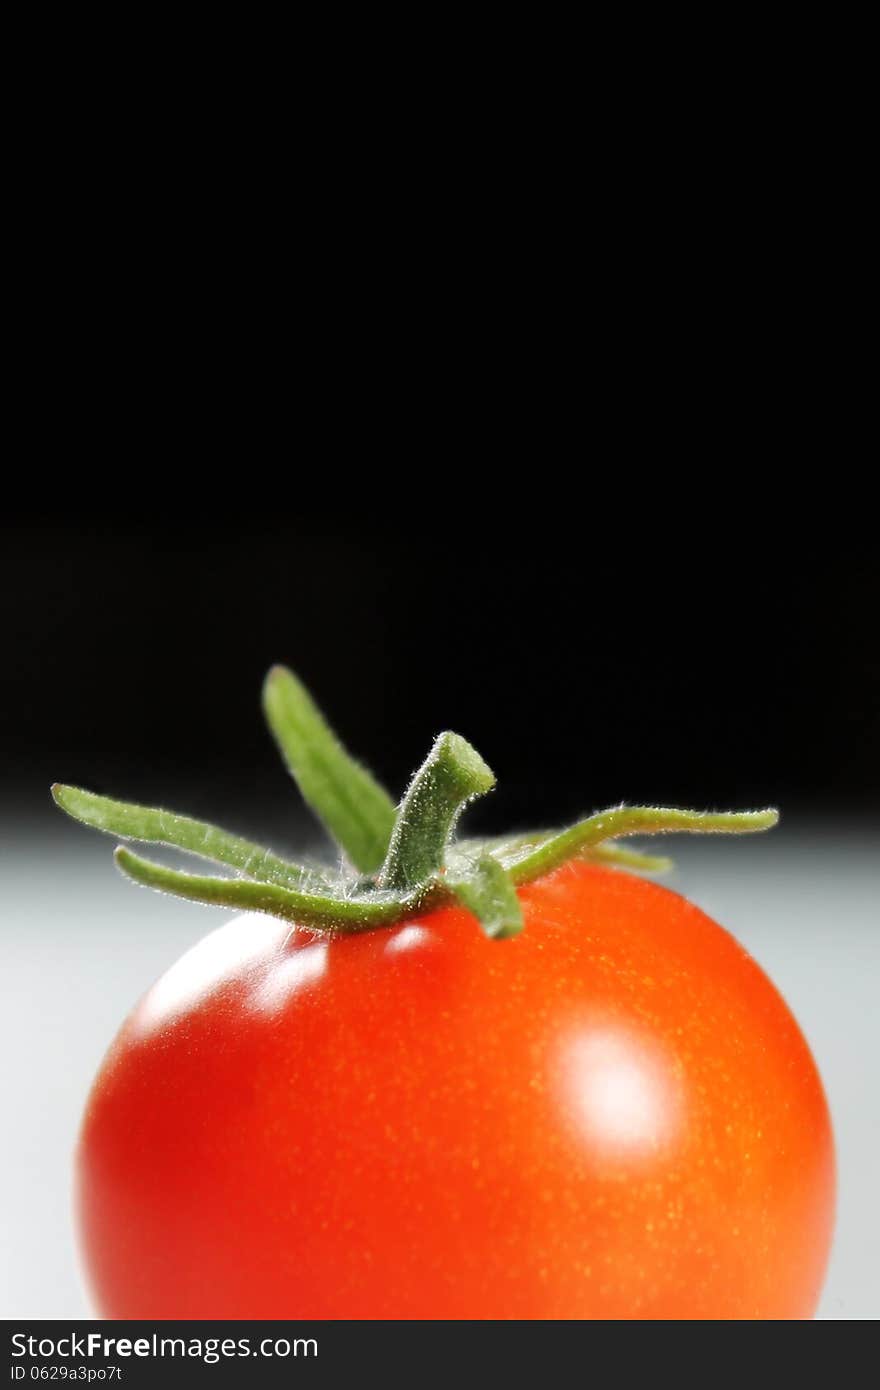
<point x="597" y="495"/>
<point x="634" y="640"/>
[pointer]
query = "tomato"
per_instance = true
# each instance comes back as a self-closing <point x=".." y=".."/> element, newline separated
<point x="612" y="1115"/>
<point x="459" y="1079"/>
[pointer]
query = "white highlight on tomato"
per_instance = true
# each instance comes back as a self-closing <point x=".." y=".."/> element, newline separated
<point x="213" y="961"/>
<point x="406" y="939"/>
<point x="303" y="967"/>
<point x="620" y="1092"/>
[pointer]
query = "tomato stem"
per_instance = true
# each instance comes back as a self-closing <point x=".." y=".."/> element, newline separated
<point x="452" y="775"/>
<point x="408" y="859"/>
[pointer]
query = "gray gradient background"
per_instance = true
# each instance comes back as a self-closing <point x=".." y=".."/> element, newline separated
<point x="79" y="945"/>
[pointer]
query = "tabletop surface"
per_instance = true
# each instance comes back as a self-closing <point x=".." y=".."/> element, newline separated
<point x="79" y="945"/>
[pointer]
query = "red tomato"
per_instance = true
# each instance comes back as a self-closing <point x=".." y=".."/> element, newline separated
<point x="613" y="1115"/>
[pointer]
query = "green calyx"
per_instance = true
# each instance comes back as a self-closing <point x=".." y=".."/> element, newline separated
<point x="404" y="859"/>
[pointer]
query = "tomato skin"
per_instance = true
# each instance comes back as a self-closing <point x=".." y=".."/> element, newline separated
<point x="613" y="1115"/>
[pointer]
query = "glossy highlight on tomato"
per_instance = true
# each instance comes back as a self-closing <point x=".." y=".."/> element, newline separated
<point x="611" y="1115"/>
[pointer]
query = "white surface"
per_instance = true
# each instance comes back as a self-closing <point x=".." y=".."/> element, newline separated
<point x="79" y="945"/>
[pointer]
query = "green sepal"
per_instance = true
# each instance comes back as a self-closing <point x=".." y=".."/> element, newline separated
<point x="487" y="892"/>
<point x="580" y="839"/>
<point x="310" y="910"/>
<point x="512" y="849"/>
<point x="629" y="859"/>
<point x="356" y="810"/>
<point x="154" y="826"/>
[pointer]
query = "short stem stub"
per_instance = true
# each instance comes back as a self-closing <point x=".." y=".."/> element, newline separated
<point x="451" y="776"/>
